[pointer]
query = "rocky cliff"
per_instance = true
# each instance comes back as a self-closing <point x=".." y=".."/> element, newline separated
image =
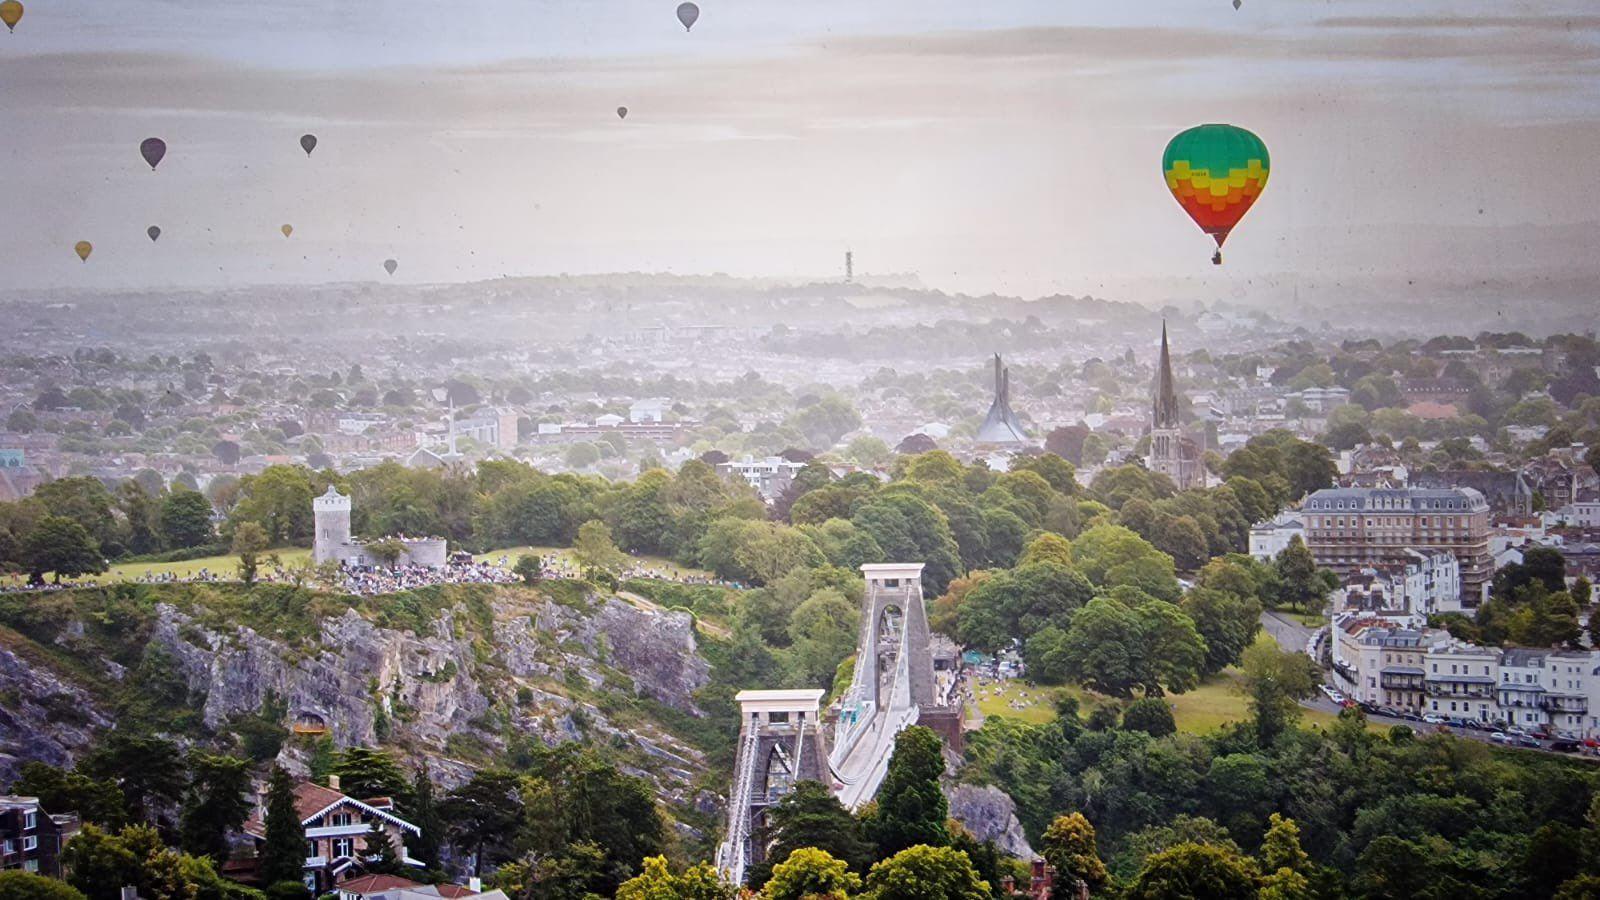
<point x="453" y="675"/>
<point x="991" y="815"/>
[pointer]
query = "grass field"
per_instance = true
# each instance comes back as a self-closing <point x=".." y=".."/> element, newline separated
<point x="1204" y="709"/>
<point x="658" y="563"/>
<point x="223" y="566"/>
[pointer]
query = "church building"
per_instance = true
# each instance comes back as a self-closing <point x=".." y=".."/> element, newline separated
<point x="1172" y="453"/>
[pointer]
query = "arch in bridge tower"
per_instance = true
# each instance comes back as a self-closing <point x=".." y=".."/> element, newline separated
<point x="896" y="586"/>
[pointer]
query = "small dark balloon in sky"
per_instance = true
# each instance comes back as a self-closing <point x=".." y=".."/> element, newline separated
<point x="154" y="231"/>
<point x="153" y="150"/>
<point x="688" y="14"/>
<point x="308" y="143"/>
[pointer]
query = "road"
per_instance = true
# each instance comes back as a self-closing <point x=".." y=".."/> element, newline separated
<point x="1290" y="634"/>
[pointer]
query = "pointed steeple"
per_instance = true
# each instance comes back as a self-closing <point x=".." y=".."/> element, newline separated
<point x="1166" y="394"/>
<point x="1001" y="425"/>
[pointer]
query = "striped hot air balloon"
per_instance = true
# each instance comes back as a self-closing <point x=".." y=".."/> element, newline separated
<point x="1216" y="172"/>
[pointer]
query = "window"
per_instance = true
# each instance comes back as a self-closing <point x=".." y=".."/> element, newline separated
<point x="30" y="843"/>
<point x="30" y="865"/>
<point x="10" y="846"/>
<point x="343" y="847"/>
<point x="30" y="821"/>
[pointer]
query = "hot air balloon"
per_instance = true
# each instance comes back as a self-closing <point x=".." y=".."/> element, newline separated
<point x="390" y="265"/>
<point x="154" y="231"/>
<point x="153" y="149"/>
<point x="11" y="14"/>
<point x="1216" y="172"/>
<point x="622" y="112"/>
<point x="1237" y="3"/>
<point x="84" y="248"/>
<point x="688" y="14"/>
<point x="308" y="143"/>
<point x="287" y="230"/>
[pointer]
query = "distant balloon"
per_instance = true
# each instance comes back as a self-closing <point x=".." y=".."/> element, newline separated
<point x="11" y="14"/>
<point x="84" y="248"/>
<point x="1237" y="3"/>
<point x="308" y="143"/>
<point x="153" y="150"/>
<point x="622" y="112"/>
<point x="1216" y="173"/>
<point x="287" y="230"/>
<point x="154" y="231"/>
<point x="390" y="265"/>
<point x="688" y="14"/>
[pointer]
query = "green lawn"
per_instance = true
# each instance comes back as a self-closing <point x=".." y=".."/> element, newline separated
<point x="222" y="566"/>
<point x="660" y="564"/>
<point x="1208" y="707"/>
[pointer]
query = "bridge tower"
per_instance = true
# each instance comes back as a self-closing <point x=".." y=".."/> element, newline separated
<point x="894" y="621"/>
<point x="780" y="742"/>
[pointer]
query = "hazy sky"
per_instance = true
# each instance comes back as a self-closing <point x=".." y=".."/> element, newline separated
<point x="991" y="145"/>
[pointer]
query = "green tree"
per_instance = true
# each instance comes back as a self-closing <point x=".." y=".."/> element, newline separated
<point x="1069" y="846"/>
<point x="811" y="816"/>
<point x="595" y="551"/>
<point x="283" y="852"/>
<point x="1227" y="621"/>
<point x="423" y="812"/>
<point x="657" y="882"/>
<point x="185" y="519"/>
<point x="911" y="805"/>
<point x="483" y="815"/>
<point x="1301" y="584"/>
<point x="249" y="539"/>
<point x="95" y="800"/>
<point x="60" y="545"/>
<point x="811" y="874"/>
<point x="1101" y="649"/>
<point x="216" y="805"/>
<point x="365" y="773"/>
<point x="1196" y="872"/>
<point x="279" y="501"/>
<point x="529" y="568"/>
<point x="822" y="631"/>
<point x="1280" y="847"/>
<point x="1150" y="715"/>
<point x="1274" y="682"/>
<point x="147" y="769"/>
<point x="381" y="856"/>
<point x="28" y="886"/>
<point x="922" y="872"/>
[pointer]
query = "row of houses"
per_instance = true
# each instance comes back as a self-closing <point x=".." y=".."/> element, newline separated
<point x="1382" y="661"/>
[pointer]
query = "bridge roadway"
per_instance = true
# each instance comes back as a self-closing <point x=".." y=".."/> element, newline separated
<point x="861" y="758"/>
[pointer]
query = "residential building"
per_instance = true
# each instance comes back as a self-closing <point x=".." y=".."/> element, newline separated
<point x="1377" y="661"/>
<point x="338" y="828"/>
<point x="395" y="887"/>
<point x="1270" y="538"/>
<point x="1349" y="528"/>
<point x="31" y="840"/>
<point x="770" y="477"/>
<point x="1172" y="453"/>
<point x="1460" y="681"/>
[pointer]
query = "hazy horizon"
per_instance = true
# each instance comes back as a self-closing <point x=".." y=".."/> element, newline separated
<point x="1009" y="147"/>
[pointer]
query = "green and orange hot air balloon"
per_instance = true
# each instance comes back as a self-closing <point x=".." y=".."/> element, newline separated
<point x="1216" y="172"/>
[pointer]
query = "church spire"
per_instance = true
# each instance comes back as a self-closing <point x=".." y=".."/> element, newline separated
<point x="1166" y="400"/>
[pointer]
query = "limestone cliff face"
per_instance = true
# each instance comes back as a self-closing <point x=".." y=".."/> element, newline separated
<point x="42" y="717"/>
<point x="991" y="815"/>
<point x="516" y="665"/>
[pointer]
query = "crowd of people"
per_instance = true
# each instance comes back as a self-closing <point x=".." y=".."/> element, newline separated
<point x="369" y="581"/>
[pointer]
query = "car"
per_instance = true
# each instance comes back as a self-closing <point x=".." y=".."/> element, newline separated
<point x="1565" y="746"/>
<point x="1500" y="737"/>
<point x="1541" y="734"/>
<point x="1391" y="712"/>
<point x="1525" y="741"/>
<point x="1433" y="719"/>
<point x="1410" y="716"/>
<point x="1457" y="722"/>
<point x="1515" y="731"/>
<point x="1371" y="709"/>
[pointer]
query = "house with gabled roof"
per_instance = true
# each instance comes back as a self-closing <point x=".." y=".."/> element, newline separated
<point x="338" y="829"/>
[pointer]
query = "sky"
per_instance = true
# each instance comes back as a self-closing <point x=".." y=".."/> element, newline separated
<point x="997" y="146"/>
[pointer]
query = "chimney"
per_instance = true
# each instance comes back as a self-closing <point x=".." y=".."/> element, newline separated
<point x="333" y="782"/>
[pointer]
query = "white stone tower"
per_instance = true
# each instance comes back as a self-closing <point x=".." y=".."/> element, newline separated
<point x="332" y="514"/>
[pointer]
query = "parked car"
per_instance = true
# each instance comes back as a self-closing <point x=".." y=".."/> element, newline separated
<point x="1541" y="733"/>
<point x="1566" y="746"/>
<point x="1410" y="716"/>
<point x="1391" y="712"/>
<point x="1433" y="719"/>
<point x="1525" y="741"/>
<point x="1371" y="709"/>
<point x="1500" y="737"/>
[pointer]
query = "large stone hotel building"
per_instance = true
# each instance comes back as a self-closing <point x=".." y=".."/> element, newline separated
<point x="1348" y="528"/>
